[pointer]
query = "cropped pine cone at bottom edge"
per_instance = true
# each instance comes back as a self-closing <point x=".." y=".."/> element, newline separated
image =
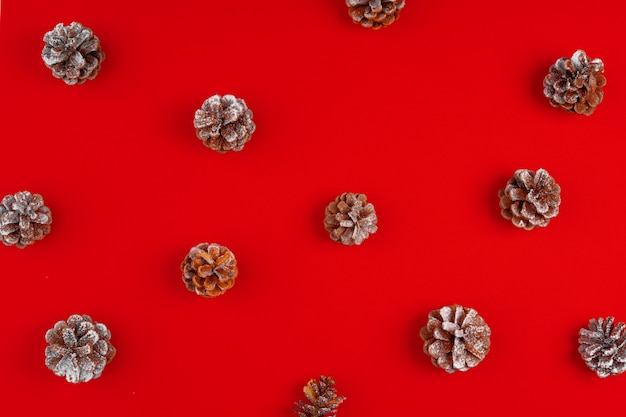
<point x="530" y="199"/>
<point x="374" y="14"/>
<point x="456" y="338"/>
<point x="350" y="219"/>
<point x="79" y="348"/>
<point x="24" y="219"/>
<point x="575" y="84"/>
<point x="209" y="270"/>
<point x="73" y="53"/>
<point x="224" y="123"/>
<point x="322" y="399"/>
<point x="603" y="346"/>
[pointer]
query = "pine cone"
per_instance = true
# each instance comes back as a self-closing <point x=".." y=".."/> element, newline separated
<point x="72" y="53"/>
<point x="575" y="84"/>
<point x="322" y="399"/>
<point x="350" y="219"/>
<point x="456" y="338"/>
<point x="224" y="123"/>
<point x="530" y="199"/>
<point x="374" y="14"/>
<point x="603" y="346"/>
<point x="209" y="270"/>
<point x="79" y="348"/>
<point x="23" y="219"/>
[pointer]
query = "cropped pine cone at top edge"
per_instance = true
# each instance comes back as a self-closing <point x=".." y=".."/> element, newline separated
<point x="456" y="338"/>
<point x="209" y="270"/>
<point x="72" y="53"/>
<point x="224" y="123"/>
<point x="24" y="219"/>
<point x="79" y="348"/>
<point x="530" y="199"/>
<point x="322" y="399"/>
<point x="575" y="84"/>
<point x="374" y="14"/>
<point x="350" y="219"/>
<point x="603" y="346"/>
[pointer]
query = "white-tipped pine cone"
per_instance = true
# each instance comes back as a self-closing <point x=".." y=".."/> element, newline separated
<point x="79" y="348"/>
<point x="23" y="219"/>
<point x="575" y="84"/>
<point x="456" y="338"/>
<point x="72" y="53"/>
<point x="374" y="14"/>
<point x="224" y="123"/>
<point x="350" y="219"/>
<point x="530" y="199"/>
<point x="209" y="270"/>
<point x="603" y="346"/>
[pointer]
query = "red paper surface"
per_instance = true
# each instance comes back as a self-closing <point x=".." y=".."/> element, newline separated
<point x="429" y="118"/>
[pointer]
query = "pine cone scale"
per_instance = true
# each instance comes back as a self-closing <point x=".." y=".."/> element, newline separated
<point x="575" y="84"/>
<point x="224" y="123"/>
<point x="209" y="270"/>
<point x="75" y="354"/>
<point x="72" y="53"/>
<point x="374" y="14"/>
<point x="530" y="199"/>
<point x="455" y="338"/>
<point x="322" y="397"/>
<point x="603" y="346"/>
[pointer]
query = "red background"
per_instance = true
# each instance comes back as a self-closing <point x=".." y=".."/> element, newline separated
<point x="429" y="118"/>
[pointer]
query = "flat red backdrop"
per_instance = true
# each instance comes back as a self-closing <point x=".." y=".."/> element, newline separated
<point x="429" y="118"/>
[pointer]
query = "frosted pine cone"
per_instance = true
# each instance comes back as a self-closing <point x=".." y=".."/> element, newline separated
<point x="456" y="338"/>
<point x="322" y="399"/>
<point x="23" y="219"/>
<point x="530" y="199"/>
<point x="79" y="348"/>
<point x="374" y="14"/>
<point x="224" y="123"/>
<point x="209" y="270"/>
<point x="72" y="53"/>
<point x="575" y="84"/>
<point x="603" y="346"/>
<point x="350" y="219"/>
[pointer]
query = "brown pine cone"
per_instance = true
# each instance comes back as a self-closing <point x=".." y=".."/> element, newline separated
<point x="23" y="219"/>
<point x="79" y="348"/>
<point x="322" y="399"/>
<point x="603" y="346"/>
<point x="530" y="199"/>
<point x="374" y="14"/>
<point x="224" y="123"/>
<point x="456" y="338"/>
<point x="72" y="53"/>
<point x="350" y="219"/>
<point x="209" y="270"/>
<point x="575" y="84"/>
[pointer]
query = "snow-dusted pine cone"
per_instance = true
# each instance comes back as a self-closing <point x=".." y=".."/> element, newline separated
<point x="209" y="270"/>
<point x="456" y="338"/>
<point x="575" y="84"/>
<point x="224" y="123"/>
<point x="79" y="348"/>
<point x="23" y="219"/>
<point x="322" y="399"/>
<point x="603" y="346"/>
<point x="72" y="53"/>
<point x="530" y="199"/>
<point x="350" y="219"/>
<point x="374" y="14"/>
